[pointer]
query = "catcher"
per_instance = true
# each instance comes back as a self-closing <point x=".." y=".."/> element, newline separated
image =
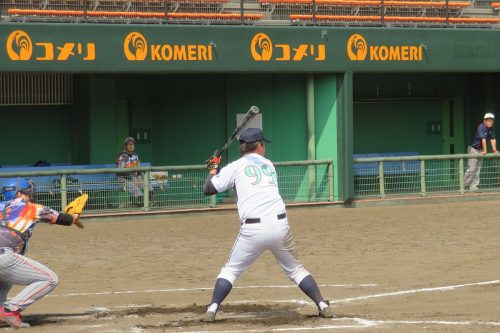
<point x="19" y="216"/>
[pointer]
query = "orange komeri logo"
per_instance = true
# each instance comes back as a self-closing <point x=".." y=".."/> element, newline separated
<point x="19" y="46"/>
<point x="357" y="48"/>
<point x="135" y="46"/>
<point x="261" y="47"/>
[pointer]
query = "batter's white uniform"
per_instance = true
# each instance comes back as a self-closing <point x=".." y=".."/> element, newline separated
<point x="264" y="225"/>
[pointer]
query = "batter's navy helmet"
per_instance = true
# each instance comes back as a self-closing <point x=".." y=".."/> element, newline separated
<point x="14" y="185"/>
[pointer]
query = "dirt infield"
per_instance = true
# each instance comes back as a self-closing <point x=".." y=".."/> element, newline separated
<point x="387" y="269"/>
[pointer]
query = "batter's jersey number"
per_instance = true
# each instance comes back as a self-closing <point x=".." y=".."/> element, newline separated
<point x="253" y="171"/>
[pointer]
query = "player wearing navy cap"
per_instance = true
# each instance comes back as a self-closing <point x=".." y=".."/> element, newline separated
<point x="263" y="218"/>
<point x="478" y="146"/>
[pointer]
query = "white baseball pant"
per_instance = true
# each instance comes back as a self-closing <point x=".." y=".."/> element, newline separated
<point x="270" y="234"/>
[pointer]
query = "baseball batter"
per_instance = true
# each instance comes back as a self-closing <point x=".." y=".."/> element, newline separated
<point x="19" y="217"/>
<point x="263" y="218"/>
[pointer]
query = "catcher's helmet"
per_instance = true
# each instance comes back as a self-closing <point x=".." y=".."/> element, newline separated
<point x="14" y="185"/>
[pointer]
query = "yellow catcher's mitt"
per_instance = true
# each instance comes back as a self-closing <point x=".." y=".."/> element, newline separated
<point x="76" y="207"/>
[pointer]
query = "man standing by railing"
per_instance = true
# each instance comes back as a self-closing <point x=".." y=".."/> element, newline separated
<point x="484" y="132"/>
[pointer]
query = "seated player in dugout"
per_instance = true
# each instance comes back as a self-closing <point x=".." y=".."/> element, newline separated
<point x="133" y="181"/>
<point x="263" y="219"/>
<point x="20" y="214"/>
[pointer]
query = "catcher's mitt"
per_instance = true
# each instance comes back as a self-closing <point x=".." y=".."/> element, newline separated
<point x="76" y="207"/>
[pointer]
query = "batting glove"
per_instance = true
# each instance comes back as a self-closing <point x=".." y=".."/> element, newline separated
<point x="213" y="163"/>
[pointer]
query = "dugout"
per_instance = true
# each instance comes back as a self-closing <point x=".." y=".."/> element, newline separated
<point x="324" y="92"/>
<point x="427" y="113"/>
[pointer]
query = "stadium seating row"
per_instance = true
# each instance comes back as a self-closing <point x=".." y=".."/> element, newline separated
<point x="296" y="11"/>
<point x="394" y="19"/>
<point x="121" y="14"/>
<point x="372" y="3"/>
<point x="251" y="17"/>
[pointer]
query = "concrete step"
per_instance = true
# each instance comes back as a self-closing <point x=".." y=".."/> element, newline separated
<point x="478" y="11"/>
<point x="246" y="6"/>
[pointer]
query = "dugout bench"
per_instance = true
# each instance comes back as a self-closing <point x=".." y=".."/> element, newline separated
<point x="398" y="176"/>
<point x="106" y="190"/>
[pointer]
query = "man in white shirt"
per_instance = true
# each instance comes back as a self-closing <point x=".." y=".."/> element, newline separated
<point x="263" y="218"/>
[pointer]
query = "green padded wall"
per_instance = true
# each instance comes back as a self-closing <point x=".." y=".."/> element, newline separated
<point x="398" y="126"/>
<point x="188" y="115"/>
<point x="31" y="133"/>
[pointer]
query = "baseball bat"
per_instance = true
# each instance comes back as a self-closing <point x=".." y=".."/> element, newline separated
<point x="248" y="116"/>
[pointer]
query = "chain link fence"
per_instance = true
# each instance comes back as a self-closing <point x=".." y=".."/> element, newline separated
<point x="166" y="188"/>
<point x="422" y="175"/>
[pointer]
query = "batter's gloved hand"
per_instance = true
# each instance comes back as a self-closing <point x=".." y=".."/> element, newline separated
<point x="76" y="207"/>
<point x="213" y="163"/>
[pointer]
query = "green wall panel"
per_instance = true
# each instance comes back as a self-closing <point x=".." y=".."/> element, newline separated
<point x="397" y="126"/>
<point x="80" y="130"/>
<point x="102" y="120"/>
<point x="31" y="133"/>
<point x="289" y="118"/>
<point x="373" y="86"/>
<point x="188" y="118"/>
<point x="325" y="117"/>
<point x="137" y="91"/>
<point x="310" y="49"/>
<point x="243" y="91"/>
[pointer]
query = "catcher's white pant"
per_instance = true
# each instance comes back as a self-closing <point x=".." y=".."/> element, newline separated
<point x="18" y="269"/>
<point x="270" y="234"/>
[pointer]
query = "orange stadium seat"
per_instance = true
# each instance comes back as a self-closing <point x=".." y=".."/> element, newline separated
<point x="372" y="3"/>
<point x="396" y="19"/>
<point x="201" y="1"/>
<point x="337" y="18"/>
<point x="121" y="14"/>
<point x="453" y="20"/>
<point x="431" y="8"/>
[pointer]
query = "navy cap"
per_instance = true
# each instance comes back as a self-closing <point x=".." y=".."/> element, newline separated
<point x="252" y="134"/>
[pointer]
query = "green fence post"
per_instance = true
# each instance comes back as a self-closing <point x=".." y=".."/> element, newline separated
<point x="312" y="182"/>
<point x="330" y="181"/>
<point x="461" y="175"/>
<point x="422" y="178"/>
<point x="381" y="181"/>
<point x="145" y="181"/>
<point x="213" y="201"/>
<point x="64" y="192"/>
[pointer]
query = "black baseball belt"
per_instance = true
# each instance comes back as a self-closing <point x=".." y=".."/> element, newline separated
<point x="257" y="219"/>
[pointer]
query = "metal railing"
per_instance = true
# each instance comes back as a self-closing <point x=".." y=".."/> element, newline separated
<point x="165" y="187"/>
<point x="257" y="12"/>
<point x="422" y="175"/>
